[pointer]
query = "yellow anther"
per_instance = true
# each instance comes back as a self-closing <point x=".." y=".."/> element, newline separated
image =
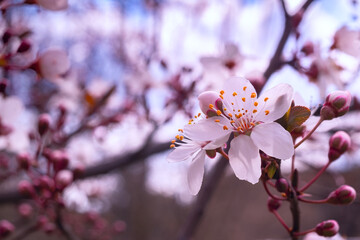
<point x="199" y="114"/>
<point x="254" y="111"/>
<point x="211" y="106"/>
<point x="238" y="115"/>
<point x="232" y="121"/>
<point x="234" y="94"/>
<point x="244" y="88"/>
<point x="177" y="137"/>
<point x="253" y="95"/>
<point x="239" y="129"/>
<point x="239" y="110"/>
<point x="232" y="103"/>
<point x="172" y="145"/>
<point x="255" y="104"/>
<point x="221" y="96"/>
<point x="217" y="120"/>
<point x="222" y="92"/>
<point x="267" y="112"/>
<point x="265" y="99"/>
<point x="180" y="130"/>
<point x="181" y="138"/>
<point x="243" y="99"/>
<point x="225" y="109"/>
<point x="225" y="128"/>
<point x="173" y="141"/>
<point x="218" y="112"/>
<point x="195" y="116"/>
<point x="246" y="110"/>
<point x="230" y="115"/>
<point x="252" y="124"/>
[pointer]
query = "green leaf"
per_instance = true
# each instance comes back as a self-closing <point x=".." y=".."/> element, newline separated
<point x="297" y="116"/>
<point x="271" y="170"/>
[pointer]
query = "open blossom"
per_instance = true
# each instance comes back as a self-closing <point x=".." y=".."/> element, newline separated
<point x="196" y="152"/>
<point x="348" y="41"/>
<point x="52" y="64"/>
<point x="251" y="120"/>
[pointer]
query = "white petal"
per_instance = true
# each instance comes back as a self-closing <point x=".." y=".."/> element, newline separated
<point x="216" y="143"/>
<point x="207" y="129"/>
<point x="278" y="102"/>
<point x="182" y="152"/>
<point x="245" y="159"/>
<point x="273" y="140"/>
<point x="243" y="89"/>
<point x="196" y="173"/>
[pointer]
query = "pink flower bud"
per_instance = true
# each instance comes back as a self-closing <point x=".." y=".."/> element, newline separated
<point x="49" y="228"/>
<point x="327" y="228"/>
<point x="43" y="123"/>
<point x="64" y="178"/>
<point x="336" y="104"/>
<point x="26" y="188"/>
<point x="24" y="160"/>
<point x="60" y="160"/>
<point x="209" y="102"/>
<point x="119" y="226"/>
<point x="343" y="195"/>
<point x="282" y="185"/>
<point x="273" y="204"/>
<point x="46" y="183"/>
<point x="6" y="228"/>
<point x="339" y="143"/>
<point x="25" y="209"/>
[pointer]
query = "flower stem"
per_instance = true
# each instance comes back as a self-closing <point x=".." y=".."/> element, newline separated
<point x="269" y="193"/>
<point x="305" y="232"/>
<point x="315" y="178"/>
<point x="221" y="151"/>
<point x="312" y="201"/>
<point x="279" y="218"/>
<point x="310" y="133"/>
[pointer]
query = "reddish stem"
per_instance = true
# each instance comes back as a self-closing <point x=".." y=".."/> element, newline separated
<point x="315" y="178"/>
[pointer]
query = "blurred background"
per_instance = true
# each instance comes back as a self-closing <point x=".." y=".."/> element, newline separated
<point x="127" y="74"/>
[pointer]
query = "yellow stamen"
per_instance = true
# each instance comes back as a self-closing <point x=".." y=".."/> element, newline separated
<point x="267" y="112"/>
<point x="232" y="103"/>
<point x="222" y="92"/>
<point x="177" y="137"/>
<point x="199" y="114"/>
<point x="234" y="94"/>
<point x="243" y="99"/>
<point x="244" y="88"/>
<point x="252" y="124"/>
<point x="211" y="106"/>
<point x="232" y="121"/>
<point x="221" y="96"/>
<point x="253" y="95"/>
<point x="225" y="128"/>
<point x="181" y="138"/>
<point x="172" y="145"/>
<point x="225" y="109"/>
<point x="255" y="104"/>
<point x="180" y="130"/>
<point x="218" y="112"/>
<point x="217" y="120"/>
<point x="230" y="115"/>
<point x="265" y="99"/>
<point x="173" y="141"/>
<point x="254" y="111"/>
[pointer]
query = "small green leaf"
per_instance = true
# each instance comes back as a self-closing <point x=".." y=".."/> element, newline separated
<point x="298" y="115"/>
<point x="271" y="170"/>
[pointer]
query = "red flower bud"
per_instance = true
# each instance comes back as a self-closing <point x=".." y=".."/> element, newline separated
<point x="60" y="160"/>
<point x="24" y="161"/>
<point x="6" y="228"/>
<point x="308" y="48"/>
<point x="273" y="204"/>
<point x="336" y="104"/>
<point x="24" y="46"/>
<point x="26" y="188"/>
<point x="282" y="185"/>
<point x="43" y="123"/>
<point x="327" y="228"/>
<point x="339" y="143"/>
<point x="343" y="195"/>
